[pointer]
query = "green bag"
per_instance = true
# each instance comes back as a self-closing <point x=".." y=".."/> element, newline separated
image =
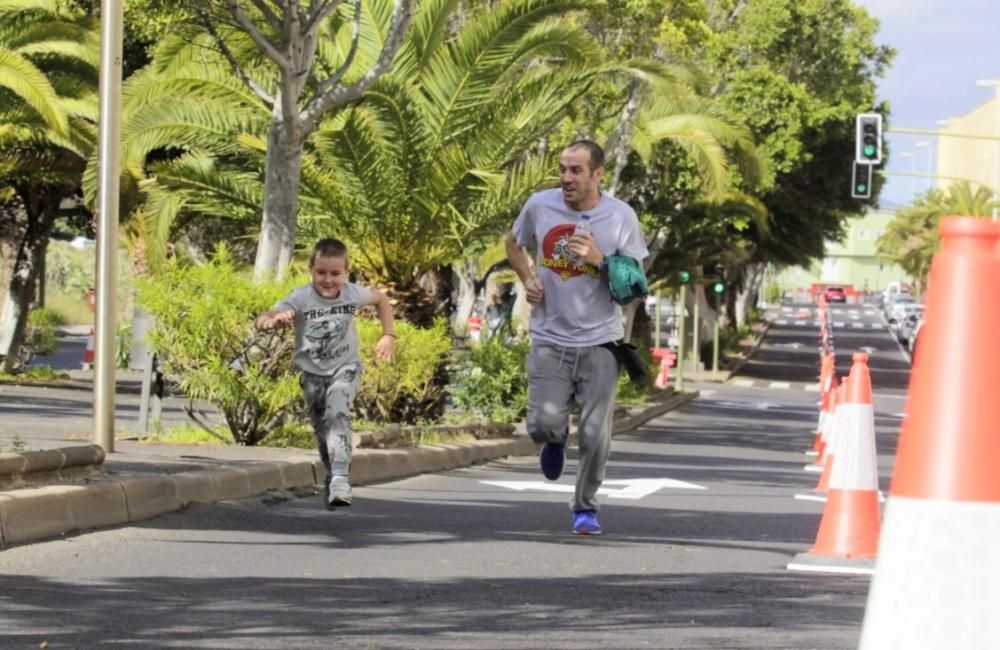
<point x="626" y="279"/>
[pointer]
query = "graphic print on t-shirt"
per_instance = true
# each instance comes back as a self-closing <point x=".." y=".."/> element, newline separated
<point x="325" y="331"/>
<point x="557" y="257"/>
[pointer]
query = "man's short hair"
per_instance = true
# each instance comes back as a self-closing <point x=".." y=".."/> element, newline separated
<point x="328" y="247"/>
<point x="594" y="149"/>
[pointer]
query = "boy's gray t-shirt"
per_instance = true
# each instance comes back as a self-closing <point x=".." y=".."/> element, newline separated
<point x="577" y="309"/>
<point x="325" y="336"/>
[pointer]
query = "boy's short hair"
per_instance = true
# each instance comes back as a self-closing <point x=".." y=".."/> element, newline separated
<point x="328" y="247"/>
<point x="594" y="149"/>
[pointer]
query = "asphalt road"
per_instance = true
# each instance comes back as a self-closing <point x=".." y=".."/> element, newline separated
<point x="463" y="559"/>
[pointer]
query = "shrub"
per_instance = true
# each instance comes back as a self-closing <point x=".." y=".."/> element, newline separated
<point x="204" y="336"/>
<point x="41" y="334"/>
<point x="491" y="380"/>
<point x="411" y="390"/>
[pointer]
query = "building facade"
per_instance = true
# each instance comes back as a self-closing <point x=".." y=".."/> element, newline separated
<point x="969" y="158"/>
<point x="853" y="262"/>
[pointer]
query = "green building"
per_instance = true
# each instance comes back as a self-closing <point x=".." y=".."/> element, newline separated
<point x="851" y="262"/>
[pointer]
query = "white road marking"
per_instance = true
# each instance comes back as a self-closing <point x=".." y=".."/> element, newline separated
<point x="632" y="489"/>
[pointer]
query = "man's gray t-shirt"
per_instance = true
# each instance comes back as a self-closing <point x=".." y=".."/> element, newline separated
<point x="325" y="337"/>
<point x="577" y="309"/>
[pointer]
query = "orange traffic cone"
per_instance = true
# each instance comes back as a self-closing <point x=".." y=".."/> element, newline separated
<point x="825" y="462"/>
<point x="847" y="539"/>
<point x="935" y="582"/>
<point x="88" y="353"/>
<point x="829" y="428"/>
<point x="827" y="371"/>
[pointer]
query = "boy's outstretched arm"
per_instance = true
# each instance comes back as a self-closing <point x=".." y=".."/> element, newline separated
<point x="273" y="319"/>
<point x="386" y="346"/>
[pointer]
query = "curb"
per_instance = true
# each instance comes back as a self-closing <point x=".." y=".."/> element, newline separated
<point x="33" y="514"/>
<point x="65" y="462"/>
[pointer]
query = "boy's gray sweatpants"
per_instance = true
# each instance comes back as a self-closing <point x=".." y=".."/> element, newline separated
<point x="558" y="376"/>
<point x="329" y="400"/>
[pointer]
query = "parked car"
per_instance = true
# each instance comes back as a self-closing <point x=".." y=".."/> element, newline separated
<point x="896" y="301"/>
<point x="900" y="311"/>
<point x="834" y="294"/>
<point x="911" y="343"/>
<point x="909" y="323"/>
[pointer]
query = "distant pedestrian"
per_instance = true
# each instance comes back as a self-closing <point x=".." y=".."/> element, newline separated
<point x="326" y="353"/>
<point x="574" y="320"/>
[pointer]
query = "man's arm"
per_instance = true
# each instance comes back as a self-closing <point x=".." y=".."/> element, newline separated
<point x="521" y="263"/>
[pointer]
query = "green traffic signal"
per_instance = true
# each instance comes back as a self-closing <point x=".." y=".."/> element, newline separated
<point x="862" y="188"/>
<point x="685" y="276"/>
<point x="718" y="287"/>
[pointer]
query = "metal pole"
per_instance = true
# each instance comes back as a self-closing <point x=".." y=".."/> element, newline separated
<point x="715" y="344"/>
<point x="108" y="166"/>
<point x="679" y="386"/>
<point x="656" y="326"/>
<point x="695" y="349"/>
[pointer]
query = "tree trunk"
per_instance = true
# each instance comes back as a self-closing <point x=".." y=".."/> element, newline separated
<point x="21" y="290"/>
<point x="620" y="141"/>
<point x="747" y="298"/>
<point x="8" y="253"/>
<point x="465" y="271"/>
<point x="281" y="196"/>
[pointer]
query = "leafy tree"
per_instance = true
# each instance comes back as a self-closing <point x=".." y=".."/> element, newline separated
<point x="911" y="239"/>
<point x="48" y="106"/>
<point x="300" y="60"/>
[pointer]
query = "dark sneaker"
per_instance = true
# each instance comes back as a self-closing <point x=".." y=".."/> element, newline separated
<point x="585" y="523"/>
<point x="552" y="458"/>
<point x="339" y="492"/>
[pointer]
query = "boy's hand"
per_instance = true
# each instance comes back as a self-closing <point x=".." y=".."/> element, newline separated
<point x="279" y="319"/>
<point x="385" y="349"/>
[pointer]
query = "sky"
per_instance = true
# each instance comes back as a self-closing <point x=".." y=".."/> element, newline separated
<point x="943" y="47"/>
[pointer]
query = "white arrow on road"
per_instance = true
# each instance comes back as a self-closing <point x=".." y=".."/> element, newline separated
<point x="635" y="488"/>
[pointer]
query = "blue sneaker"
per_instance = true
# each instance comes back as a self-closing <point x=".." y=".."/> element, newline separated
<point x="585" y="523"/>
<point x="552" y="457"/>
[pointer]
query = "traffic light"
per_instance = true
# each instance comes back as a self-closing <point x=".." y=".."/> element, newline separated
<point x="868" y="139"/>
<point x="685" y="277"/>
<point x="720" y="280"/>
<point x="861" y="181"/>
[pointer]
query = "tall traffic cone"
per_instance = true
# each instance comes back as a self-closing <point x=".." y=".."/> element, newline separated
<point x="827" y="370"/>
<point x="836" y="431"/>
<point x="847" y="539"/>
<point x="829" y="428"/>
<point x="936" y="577"/>
<point x="88" y="353"/>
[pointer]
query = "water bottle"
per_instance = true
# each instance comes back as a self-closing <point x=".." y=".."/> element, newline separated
<point x="583" y="226"/>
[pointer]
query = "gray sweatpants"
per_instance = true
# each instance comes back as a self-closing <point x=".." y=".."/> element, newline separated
<point x="329" y="400"/>
<point x="558" y="376"/>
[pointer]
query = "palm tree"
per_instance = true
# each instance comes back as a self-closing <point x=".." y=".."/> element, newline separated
<point x="911" y="239"/>
<point x="48" y="107"/>
<point x="430" y="164"/>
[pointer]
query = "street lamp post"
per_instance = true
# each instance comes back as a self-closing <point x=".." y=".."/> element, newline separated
<point x="995" y="85"/>
<point x="108" y="167"/>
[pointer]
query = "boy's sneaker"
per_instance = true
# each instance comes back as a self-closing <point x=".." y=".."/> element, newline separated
<point x="552" y="458"/>
<point x="585" y="523"/>
<point x="338" y="492"/>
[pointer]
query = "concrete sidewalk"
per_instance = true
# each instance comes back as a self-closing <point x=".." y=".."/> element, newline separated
<point x="59" y="491"/>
